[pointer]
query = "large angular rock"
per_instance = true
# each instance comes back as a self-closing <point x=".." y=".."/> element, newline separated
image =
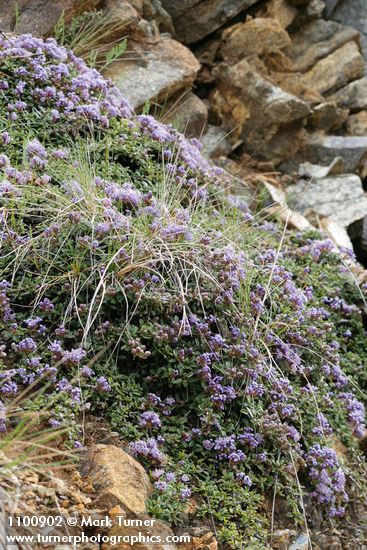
<point x="353" y="96"/>
<point x="353" y="13"/>
<point x="336" y="70"/>
<point x="38" y="17"/>
<point x="254" y="37"/>
<point x="255" y="110"/>
<point x="187" y="113"/>
<point x="341" y="199"/>
<point x="157" y="71"/>
<point x="118" y="479"/>
<point x="323" y="150"/>
<point x="195" y="19"/>
<point x="317" y="40"/>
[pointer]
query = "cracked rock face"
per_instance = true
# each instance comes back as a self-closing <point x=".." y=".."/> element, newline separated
<point x="38" y="17"/>
<point x="118" y="479"/>
<point x="339" y="198"/>
<point x="157" y="71"/>
<point x="354" y="14"/>
<point x="193" y="19"/>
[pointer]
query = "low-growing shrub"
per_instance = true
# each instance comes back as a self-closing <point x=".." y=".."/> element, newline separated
<point x="224" y="349"/>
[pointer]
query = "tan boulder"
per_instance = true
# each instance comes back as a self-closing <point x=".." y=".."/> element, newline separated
<point x="153" y="71"/>
<point x="281" y="10"/>
<point x="204" y="542"/>
<point x="254" y="37"/>
<point x="255" y="110"/>
<point x="336" y="70"/>
<point x="293" y="84"/>
<point x="118" y="479"/>
<point x="123" y="14"/>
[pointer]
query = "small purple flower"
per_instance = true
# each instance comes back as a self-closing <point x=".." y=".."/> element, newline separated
<point x="185" y="493"/>
<point x="27" y="345"/>
<point x="157" y="473"/>
<point x="87" y="372"/>
<point x="243" y="479"/>
<point x="161" y="486"/>
<point x="102" y="385"/>
<point x="74" y="356"/>
<point x="46" y="305"/>
<point x="150" y="419"/>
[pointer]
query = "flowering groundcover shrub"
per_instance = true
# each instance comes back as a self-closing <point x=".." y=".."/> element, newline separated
<point x="227" y="352"/>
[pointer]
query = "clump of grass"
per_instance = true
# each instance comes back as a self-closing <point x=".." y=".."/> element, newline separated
<point x="94" y="36"/>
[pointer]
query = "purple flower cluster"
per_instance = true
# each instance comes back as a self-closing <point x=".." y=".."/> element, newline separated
<point x="327" y="478"/>
<point x="355" y="411"/>
<point x="150" y="419"/>
<point x="62" y="86"/>
<point x="148" y="450"/>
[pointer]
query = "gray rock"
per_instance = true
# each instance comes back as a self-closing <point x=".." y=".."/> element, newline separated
<point x="336" y="70"/>
<point x="308" y="170"/>
<point x="157" y="71"/>
<point x="353" y="96"/>
<point x="187" y="113"/>
<point x="354" y="13"/>
<point x="38" y="17"/>
<point x="215" y="142"/>
<point x="317" y="40"/>
<point x="195" y="19"/>
<point x="341" y="199"/>
<point x="327" y="116"/>
<point x="302" y="542"/>
<point x="323" y="150"/>
<point x="330" y="6"/>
